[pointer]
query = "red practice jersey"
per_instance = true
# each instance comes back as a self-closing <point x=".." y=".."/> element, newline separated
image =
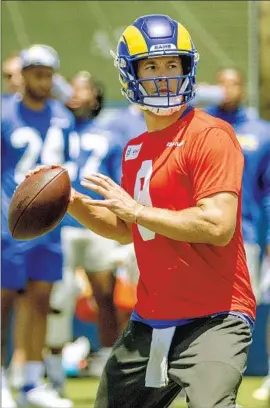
<point x="174" y="168"/>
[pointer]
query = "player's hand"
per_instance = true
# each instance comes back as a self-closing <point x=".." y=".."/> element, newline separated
<point x="116" y="198"/>
<point x="40" y="168"/>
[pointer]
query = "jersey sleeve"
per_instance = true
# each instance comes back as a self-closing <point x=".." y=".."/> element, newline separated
<point x="215" y="163"/>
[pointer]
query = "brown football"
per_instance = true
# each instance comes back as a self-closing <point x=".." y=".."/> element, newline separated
<point x="39" y="203"/>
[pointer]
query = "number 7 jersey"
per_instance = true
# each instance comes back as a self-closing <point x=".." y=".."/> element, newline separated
<point x="174" y="168"/>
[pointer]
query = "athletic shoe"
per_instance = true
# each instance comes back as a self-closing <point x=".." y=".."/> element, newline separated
<point x="263" y="393"/>
<point x="43" y="396"/>
<point x="7" y="400"/>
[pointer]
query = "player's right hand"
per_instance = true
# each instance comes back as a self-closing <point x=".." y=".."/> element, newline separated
<point x="40" y="168"/>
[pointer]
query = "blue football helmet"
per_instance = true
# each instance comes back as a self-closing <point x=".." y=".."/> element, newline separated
<point x="156" y="36"/>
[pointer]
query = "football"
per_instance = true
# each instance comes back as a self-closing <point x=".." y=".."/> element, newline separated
<point x="39" y="203"/>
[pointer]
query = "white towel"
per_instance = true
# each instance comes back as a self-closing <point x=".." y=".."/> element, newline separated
<point x="157" y="367"/>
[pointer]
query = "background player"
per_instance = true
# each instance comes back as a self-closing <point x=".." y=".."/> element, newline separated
<point x="126" y="123"/>
<point x="254" y="136"/>
<point x="13" y="83"/>
<point x="100" y="151"/>
<point x="12" y="77"/>
<point x="35" y="130"/>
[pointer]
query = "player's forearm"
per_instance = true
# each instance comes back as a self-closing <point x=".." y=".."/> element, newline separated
<point x="190" y="225"/>
<point x="99" y="220"/>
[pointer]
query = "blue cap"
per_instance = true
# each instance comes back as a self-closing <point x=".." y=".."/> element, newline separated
<point x="40" y="55"/>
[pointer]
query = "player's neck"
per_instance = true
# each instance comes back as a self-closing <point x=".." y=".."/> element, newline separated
<point x="33" y="104"/>
<point x="155" y="123"/>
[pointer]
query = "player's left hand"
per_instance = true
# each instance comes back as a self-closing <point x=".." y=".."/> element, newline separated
<point x="116" y="198"/>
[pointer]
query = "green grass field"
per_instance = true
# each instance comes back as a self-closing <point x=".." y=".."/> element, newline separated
<point x="83" y="391"/>
<point x="83" y="32"/>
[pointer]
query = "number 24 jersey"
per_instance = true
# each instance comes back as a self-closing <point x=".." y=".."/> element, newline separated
<point x="29" y="138"/>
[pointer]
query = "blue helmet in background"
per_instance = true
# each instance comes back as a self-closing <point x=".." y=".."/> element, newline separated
<point x="150" y="37"/>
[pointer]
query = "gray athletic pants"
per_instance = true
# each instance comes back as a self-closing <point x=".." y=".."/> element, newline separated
<point x="207" y="358"/>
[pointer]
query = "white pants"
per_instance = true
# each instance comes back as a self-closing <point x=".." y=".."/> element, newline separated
<point x="63" y="299"/>
<point x="81" y="248"/>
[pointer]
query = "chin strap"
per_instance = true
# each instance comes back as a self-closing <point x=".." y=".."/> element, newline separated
<point x="162" y="111"/>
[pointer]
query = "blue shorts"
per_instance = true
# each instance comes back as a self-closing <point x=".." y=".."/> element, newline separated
<point x="21" y="263"/>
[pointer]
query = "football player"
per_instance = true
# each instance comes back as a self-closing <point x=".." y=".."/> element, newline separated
<point x="100" y="150"/>
<point x="180" y="203"/>
<point x="253" y="135"/>
<point x="35" y="130"/>
<point x="12" y="76"/>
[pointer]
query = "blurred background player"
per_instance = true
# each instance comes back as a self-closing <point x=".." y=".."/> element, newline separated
<point x="61" y="90"/>
<point x="35" y="130"/>
<point x="65" y="293"/>
<point x="11" y="74"/>
<point x="13" y="83"/>
<point x="263" y="392"/>
<point x="99" y="151"/>
<point x="254" y="136"/>
<point x="126" y="123"/>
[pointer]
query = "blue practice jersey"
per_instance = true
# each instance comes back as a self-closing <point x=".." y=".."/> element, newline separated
<point x="254" y="136"/>
<point x="126" y="123"/>
<point x="100" y="151"/>
<point x="29" y="138"/>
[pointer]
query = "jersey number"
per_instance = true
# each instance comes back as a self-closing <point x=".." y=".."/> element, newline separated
<point x="51" y="151"/>
<point x="142" y="194"/>
<point x="97" y="146"/>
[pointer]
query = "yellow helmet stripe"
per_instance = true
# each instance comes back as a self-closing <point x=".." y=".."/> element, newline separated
<point x="183" y="39"/>
<point x="135" y="41"/>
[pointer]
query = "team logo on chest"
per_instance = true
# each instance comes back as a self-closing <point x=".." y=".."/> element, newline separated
<point x="132" y="152"/>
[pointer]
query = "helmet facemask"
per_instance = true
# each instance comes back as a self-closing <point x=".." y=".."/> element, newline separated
<point x="159" y="103"/>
